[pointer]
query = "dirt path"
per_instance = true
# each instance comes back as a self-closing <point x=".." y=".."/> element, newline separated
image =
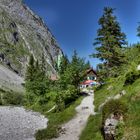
<point x="75" y="126"/>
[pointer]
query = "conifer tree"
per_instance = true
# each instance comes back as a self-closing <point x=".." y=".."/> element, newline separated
<point x="43" y="66"/>
<point x="74" y="72"/>
<point x="138" y="30"/>
<point x="30" y="69"/>
<point x="40" y="83"/>
<point x="29" y="80"/>
<point x="110" y="40"/>
<point x="87" y="65"/>
<point x="37" y="84"/>
<point x="63" y="65"/>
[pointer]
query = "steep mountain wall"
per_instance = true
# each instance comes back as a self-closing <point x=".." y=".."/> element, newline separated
<point x="22" y="32"/>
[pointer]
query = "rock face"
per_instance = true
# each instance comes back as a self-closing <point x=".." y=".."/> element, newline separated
<point x="10" y="80"/>
<point x="21" y="33"/>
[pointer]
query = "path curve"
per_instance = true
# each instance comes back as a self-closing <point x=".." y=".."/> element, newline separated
<point x="75" y="126"/>
<point x="16" y="123"/>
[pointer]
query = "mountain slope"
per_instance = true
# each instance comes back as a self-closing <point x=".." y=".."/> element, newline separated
<point x="21" y="33"/>
<point x="10" y="80"/>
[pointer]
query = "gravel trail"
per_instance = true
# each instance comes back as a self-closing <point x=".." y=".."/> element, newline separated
<point x="16" y="123"/>
<point x="74" y="127"/>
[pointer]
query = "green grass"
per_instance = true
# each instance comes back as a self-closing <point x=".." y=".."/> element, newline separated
<point x="131" y="98"/>
<point x="132" y="119"/>
<point x="92" y="129"/>
<point x="132" y="124"/>
<point x="56" y="120"/>
<point x="110" y="89"/>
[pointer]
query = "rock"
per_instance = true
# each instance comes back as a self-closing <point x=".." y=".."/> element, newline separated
<point x="110" y="124"/>
<point x="8" y="63"/>
<point x="85" y="107"/>
<point x="15" y="37"/>
<point x="19" y="124"/>
<point x="138" y="67"/>
<point x="123" y="92"/>
<point x="13" y="25"/>
<point x="2" y="56"/>
<point x="110" y="88"/>
<point x="24" y="33"/>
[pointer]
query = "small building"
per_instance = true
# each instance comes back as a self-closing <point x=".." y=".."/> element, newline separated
<point x="90" y="78"/>
<point x="53" y="77"/>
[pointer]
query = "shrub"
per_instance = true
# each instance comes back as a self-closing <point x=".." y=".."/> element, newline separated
<point x="70" y="95"/>
<point x="12" y="98"/>
<point x="52" y="132"/>
<point x="65" y="97"/>
<point x="114" y="106"/>
<point x="131" y="77"/>
<point x="119" y="131"/>
<point x="60" y="106"/>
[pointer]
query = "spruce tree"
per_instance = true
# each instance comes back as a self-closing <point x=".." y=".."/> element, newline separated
<point x="30" y="69"/>
<point x="29" y="80"/>
<point x="74" y="72"/>
<point x="138" y="30"/>
<point x="63" y="65"/>
<point x="41" y="84"/>
<point x="110" y="40"/>
<point x="43" y="66"/>
<point x="36" y="82"/>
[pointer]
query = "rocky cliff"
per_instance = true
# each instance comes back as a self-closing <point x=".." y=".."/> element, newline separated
<point x="22" y="32"/>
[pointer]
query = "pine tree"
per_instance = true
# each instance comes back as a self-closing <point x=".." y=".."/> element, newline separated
<point x="30" y="69"/>
<point x="138" y="30"/>
<point x="110" y="40"/>
<point x="87" y="65"/>
<point x="29" y="80"/>
<point x="63" y="65"/>
<point x="43" y="66"/>
<point x="74" y="72"/>
<point x="40" y="83"/>
<point x="36" y="82"/>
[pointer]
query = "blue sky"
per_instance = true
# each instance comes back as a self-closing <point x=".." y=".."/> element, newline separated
<point x="74" y="23"/>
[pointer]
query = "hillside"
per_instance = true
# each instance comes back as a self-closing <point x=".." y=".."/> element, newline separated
<point x="22" y="33"/>
<point x="10" y="80"/>
<point x="128" y="81"/>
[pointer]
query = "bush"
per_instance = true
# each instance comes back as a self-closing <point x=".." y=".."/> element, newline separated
<point x="65" y="97"/>
<point x="12" y="98"/>
<point x="114" y="106"/>
<point x="60" y="105"/>
<point x="70" y="95"/>
<point x="131" y="77"/>
<point x="52" y="132"/>
<point x="119" y="131"/>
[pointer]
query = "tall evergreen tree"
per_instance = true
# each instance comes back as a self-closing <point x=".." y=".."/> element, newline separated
<point x="110" y="40"/>
<point x="86" y="65"/>
<point x="30" y="69"/>
<point x="43" y="66"/>
<point x="74" y="72"/>
<point x="29" y="80"/>
<point x="63" y="65"/>
<point x="138" y="30"/>
<point x="36" y="82"/>
<point x="41" y="78"/>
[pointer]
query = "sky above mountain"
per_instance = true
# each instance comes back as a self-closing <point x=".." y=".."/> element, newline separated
<point x="74" y="23"/>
